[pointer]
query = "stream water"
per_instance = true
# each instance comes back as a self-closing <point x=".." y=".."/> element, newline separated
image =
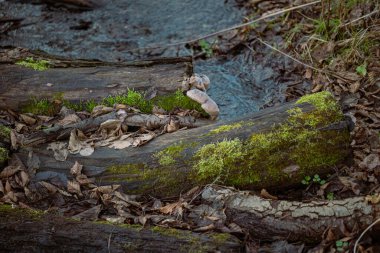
<point x="239" y="83"/>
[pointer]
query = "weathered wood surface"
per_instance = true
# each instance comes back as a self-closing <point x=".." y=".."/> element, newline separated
<point x="84" y="79"/>
<point x="25" y="231"/>
<point x="291" y="220"/>
<point x="149" y="121"/>
<point x="168" y="164"/>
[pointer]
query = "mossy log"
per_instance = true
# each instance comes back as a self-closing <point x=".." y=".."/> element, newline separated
<point x="32" y="231"/>
<point x="291" y="220"/>
<point x="27" y="75"/>
<point x="273" y="148"/>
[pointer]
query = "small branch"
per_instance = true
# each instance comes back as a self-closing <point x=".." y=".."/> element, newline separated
<point x="360" y="18"/>
<point x="365" y="231"/>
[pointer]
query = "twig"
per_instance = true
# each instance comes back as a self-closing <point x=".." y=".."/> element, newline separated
<point x="326" y="72"/>
<point x="365" y="231"/>
<point x="360" y="18"/>
<point x="229" y="28"/>
<point x="287" y="55"/>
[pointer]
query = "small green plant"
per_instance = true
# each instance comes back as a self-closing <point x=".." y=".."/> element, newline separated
<point x="341" y="246"/>
<point x="316" y="179"/>
<point x="39" y="107"/>
<point x="39" y="65"/>
<point x="362" y="69"/>
<point x="330" y="196"/>
<point x="206" y="48"/>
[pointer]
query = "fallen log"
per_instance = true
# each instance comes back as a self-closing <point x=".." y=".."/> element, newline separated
<point x="273" y="148"/>
<point x="30" y="75"/>
<point x="33" y="231"/>
<point x="91" y="124"/>
<point x="291" y="220"/>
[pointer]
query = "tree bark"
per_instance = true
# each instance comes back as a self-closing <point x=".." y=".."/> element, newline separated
<point x="28" y="231"/>
<point x="84" y="79"/>
<point x="291" y="220"/>
<point x="274" y="148"/>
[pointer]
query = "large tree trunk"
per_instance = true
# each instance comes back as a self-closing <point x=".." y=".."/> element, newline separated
<point x="83" y="79"/>
<point x="28" y="231"/>
<point x="291" y="220"/>
<point x="273" y="148"/>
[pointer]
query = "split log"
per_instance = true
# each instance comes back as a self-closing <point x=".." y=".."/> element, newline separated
<point x="28" y="231"/>
<point x="83" y="79"/>
<point x="274" y="148"/>
<point x="291" y="220"/>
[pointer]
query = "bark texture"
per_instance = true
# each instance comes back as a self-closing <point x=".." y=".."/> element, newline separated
<point x="291" y="220"/>
<point x="26" y="231"/>
<point x="273" y="148"/>
<point x="83" y="79"/>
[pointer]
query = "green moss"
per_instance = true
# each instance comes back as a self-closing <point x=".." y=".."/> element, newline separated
<point x="39" y="65"/>
<point x="4" y="155"/>
<point x="262" y="157"/>
<point x="20" y="213"/>
<point x="220" y="157"/>
<point x="226" y="128"/>
<point x="5" y="132"/>
<point x="169" y="155"/>
<point x="177" y="100"/>
<point x="133" y="98"/>
<point x="220" y="238"/>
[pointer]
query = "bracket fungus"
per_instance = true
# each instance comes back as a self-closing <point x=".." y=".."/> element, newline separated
<point x="196" y="87"/>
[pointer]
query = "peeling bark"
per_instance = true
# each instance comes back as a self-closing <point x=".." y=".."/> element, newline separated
<point x="291" y="220"/>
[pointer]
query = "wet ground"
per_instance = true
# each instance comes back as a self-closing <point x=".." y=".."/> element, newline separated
<point x="114" y="31"/>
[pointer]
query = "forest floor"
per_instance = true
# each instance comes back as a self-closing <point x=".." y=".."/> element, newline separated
<point x="330" y="46"/>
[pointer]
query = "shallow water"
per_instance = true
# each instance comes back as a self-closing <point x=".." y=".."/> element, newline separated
<point x="239" y="84"/>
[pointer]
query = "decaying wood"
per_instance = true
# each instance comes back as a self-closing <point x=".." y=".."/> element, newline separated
<point x="148" y="121"/>
<point x="141" y="169"/>
<point x="291" y="220"/>
<point x="25" y="231"/>
<point x="84" y="79"/>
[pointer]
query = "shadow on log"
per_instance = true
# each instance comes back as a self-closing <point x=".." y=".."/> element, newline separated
<point x="32" y="231"/>
<point x="273" y="149"/>
<point x="82" y="79"/>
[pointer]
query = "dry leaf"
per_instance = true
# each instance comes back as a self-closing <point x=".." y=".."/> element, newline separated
<point x="73" y="187"/>
<point x="24" y="178"/>
<point x="9" y="171"/>
<point x="121" y="144"/>
<point x="86" y="151"/>
<point x="76" y="169"/>
<point x="354" y="87"/>
<point x="100" y="110"/>
<point x="69" y="119"/>
<point x="51" y="188"/>
<point x="27" y="119"/>
<point x="373" y="199"/>
<point x="266" y="195"/>
<point x="90" y="214"/>
<point x="59" y="149"/>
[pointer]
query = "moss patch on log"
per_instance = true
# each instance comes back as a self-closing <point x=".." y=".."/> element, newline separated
<point x="169" y="102"/>
<point x="262" y="158"/>
<point x="35" y="64"/>
<point x="5" y="132"/>
<point x="4" y="155"/>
